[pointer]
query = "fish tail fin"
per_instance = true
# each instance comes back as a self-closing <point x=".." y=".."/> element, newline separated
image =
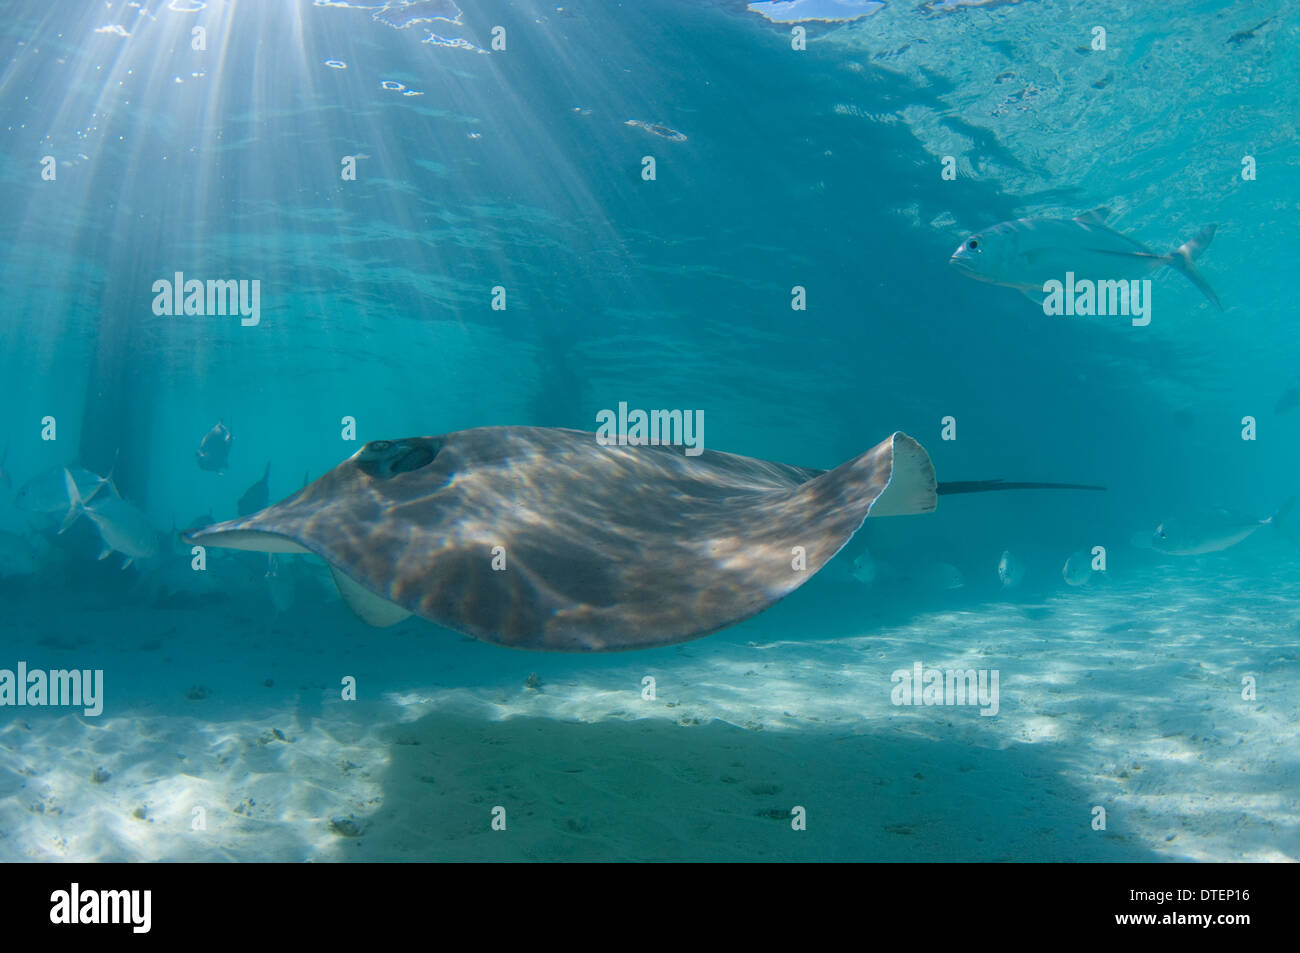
<point x="105" y="481"/>
<point x="1282" y="520"/>
<point x="1182" y="257"/>
<point x="75" y="504"/>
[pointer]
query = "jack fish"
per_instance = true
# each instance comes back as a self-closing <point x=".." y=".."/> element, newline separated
<point x="215" y="449"/>
<point x="1028" y="252"/>
<point x="1209" y="531"/>
<point x="122" y="527"/>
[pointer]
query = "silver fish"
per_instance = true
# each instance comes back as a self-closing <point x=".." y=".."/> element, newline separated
<point x="863" y="568"/>
<point x="1209" y="531"/>
<point x="1078" y="570"/>
<point x="1028" y="252"/>
<point x="215" y="449"/>
<point x="122" y="526"/>
<point x="1011" y="571"/>
<point x="942" y="576"/>
<point x="47" y="493"/>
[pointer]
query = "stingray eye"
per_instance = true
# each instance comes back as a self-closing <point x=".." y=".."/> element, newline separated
<point x="973" y="244"/>
<point x="379" y="446"/>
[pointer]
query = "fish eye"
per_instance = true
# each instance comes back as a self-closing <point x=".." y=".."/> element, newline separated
<point x="379" y="446"/>
<point x="973" y="244"/>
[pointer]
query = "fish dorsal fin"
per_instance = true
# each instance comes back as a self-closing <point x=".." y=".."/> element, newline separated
<point x="370" y="608"/>
<point x="1096" y="216"/>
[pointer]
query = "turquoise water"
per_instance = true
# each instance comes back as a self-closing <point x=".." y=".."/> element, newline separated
<point x="522" y="168"/>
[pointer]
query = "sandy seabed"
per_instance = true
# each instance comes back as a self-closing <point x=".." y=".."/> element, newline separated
<point x="1126" y="696"/>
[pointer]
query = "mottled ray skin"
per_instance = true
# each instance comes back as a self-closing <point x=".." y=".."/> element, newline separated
<point x="606" y="548"/>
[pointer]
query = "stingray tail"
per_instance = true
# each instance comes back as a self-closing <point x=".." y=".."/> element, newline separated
<point x="991" y="486"/>
<point x="1181" y="258"/>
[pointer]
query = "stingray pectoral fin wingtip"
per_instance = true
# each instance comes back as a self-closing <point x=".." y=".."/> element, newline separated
<point x="228" y="536"/>
<point x="893" y="478"/>
<point x="369" y="608"/>
<point x="912" y="486"/>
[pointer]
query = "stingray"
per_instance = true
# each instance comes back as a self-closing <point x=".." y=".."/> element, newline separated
<point x="541" y="538"/>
